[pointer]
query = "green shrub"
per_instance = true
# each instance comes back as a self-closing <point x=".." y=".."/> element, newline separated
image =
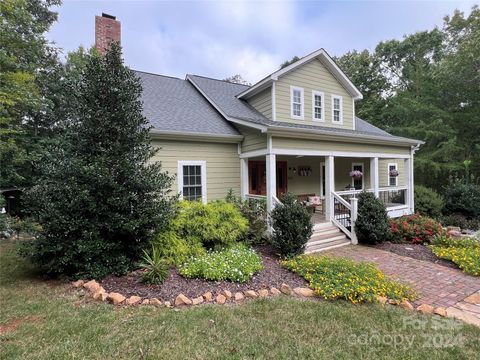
<point x="292" y="226"/>
<point x="212" y="224"/>
<point x="465" y="253"/>
<point x="175" y="250"/>
<point x="156" y="270"/>
<point x="255" y="211"/>
<point x="461" y="221"/>
<point x="337" y="278"/>
<point x="372" y="225"/>
<point x="237" y="263"/>
<point x="428" y="202"/>
<point x="414" y="229"/>
<point x="463" y="198"/>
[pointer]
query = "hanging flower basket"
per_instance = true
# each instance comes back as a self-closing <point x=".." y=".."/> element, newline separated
<point x="356" y="174"/>
<point x="394" y="173"/>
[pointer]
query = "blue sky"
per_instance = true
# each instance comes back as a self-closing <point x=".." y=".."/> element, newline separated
<point x="251" y="38"/>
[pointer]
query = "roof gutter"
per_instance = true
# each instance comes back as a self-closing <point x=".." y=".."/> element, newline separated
<point x="280" y="130"/>
<point x="178" y="135"/>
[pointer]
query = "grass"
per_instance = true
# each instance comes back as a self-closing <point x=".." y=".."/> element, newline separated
<point x="50" y="326"/>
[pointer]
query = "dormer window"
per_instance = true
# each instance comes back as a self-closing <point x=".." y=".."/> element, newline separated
<point x="337" y="109"/>
<point x="318" y="106"/>
<point x="296" y="98"/>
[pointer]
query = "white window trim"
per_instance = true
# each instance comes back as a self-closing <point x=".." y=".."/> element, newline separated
<point x="388" y="173"/>
<point x="314" y="92"/>
<point x="302" y="107"/>
<point x="363" y="172"/>
<point x="203" y="169"/>
<point x="341" y="109"/>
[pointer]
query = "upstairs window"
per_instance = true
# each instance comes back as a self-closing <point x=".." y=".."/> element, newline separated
<point x="192" y="180"/>
<point x="317" y="106"/>
<point x="337" y="111"/>
<point x="296" y="97"/>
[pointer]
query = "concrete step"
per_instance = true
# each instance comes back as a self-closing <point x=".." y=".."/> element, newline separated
<point x="324" y="237"/>
<point x="323" y="225"/>
<point x="326" y="246"/>
<point x="324" y="231"/>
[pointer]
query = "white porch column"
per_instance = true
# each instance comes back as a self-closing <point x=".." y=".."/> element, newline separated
<point x="329" y="186"/>
<point x="409" y="182"/>
<point x="271" y="180"/>
<point x="353" y="219"/>
<point x="374" y="182"/>
<point x="243" y="177"/>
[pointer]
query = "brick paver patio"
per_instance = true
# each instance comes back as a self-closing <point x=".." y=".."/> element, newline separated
<point x="435" y="284"/>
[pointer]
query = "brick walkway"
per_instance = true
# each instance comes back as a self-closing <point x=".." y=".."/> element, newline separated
<point x="435" y="284"/>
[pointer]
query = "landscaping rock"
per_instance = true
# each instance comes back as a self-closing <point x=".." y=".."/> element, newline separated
<point x="405" y="304"/>
<point x="275" y="291"/>
<point x="115" y="298"/>
<point x="251" y="294"/>
<point x="78" y="283"/>
<point x="168" y="304"/>
<point x="197" y="300"/>
<point x="286" y="289"/>
<point x="227" y="294"/>
<point x="146" y="302"/>
<point x="454" y="233"/>
<point x="305" y="292"/>
<point x="239" y="296"/>
<point x="382" y="299"/>
<point x="92" y="286"/>
<point x="208" y="296"/>
<point x="155" y="302"/>
<point x="453" y="228"/>
<point x="182" y="300"/>
<point x="263" y="293"/>
<point x="425" y="309"/>
<point x="98" y="295"/>
<point x="220" y="299"/>
<point x="440" y="311"/>
<point x="133" y="300"/>
<point x="473" y="299"/>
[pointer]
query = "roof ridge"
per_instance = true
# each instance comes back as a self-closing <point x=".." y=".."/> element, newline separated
<point x="150" y="73"/>
<point x="225" y="81"/>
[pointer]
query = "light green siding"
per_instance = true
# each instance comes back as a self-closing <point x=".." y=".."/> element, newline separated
<point x="323" y="145"/>
<point x="263" y="102"/>
<point x="222" y="163"/>
<point x="383" y="171"/>
<point x="312" y="76"/>
<point x="253" y="139"/>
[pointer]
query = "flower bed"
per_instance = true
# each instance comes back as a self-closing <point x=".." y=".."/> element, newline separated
<point x="237" y="263"/>
<point x="465" y="253"/>
<point x="334" y="278"/>
<point x="415" y="229"/>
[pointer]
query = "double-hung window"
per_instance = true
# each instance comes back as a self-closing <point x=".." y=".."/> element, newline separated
<point x="192" y="180"/>
<point x="392" y="174"/>
<point x="297" y="105"/>
<point x="318" y="106"/>
<point x="337" y="109"/>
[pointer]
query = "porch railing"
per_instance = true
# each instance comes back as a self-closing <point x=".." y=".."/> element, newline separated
<point x="342" y="214"/>
<point x="393" y="197"/>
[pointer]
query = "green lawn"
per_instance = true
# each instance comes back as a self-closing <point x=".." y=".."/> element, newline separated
<point x="51" y="327"/>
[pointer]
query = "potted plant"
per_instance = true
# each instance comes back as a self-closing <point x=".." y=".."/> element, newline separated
<point x="393" y="173"/>
<point x="356" y="174"/>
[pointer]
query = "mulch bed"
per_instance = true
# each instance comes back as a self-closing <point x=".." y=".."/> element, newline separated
<point x="272" y="275"/>
<point x="417" y="251"/>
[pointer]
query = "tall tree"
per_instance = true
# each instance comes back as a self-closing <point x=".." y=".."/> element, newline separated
<point x="26" y="60"/>
<point x="99" y="199"/>
<point x="237" y="79"/>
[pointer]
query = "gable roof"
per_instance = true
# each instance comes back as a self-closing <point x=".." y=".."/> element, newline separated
<point x="222" y="95"/>
<point x="321" y="55"/>
<point x="173" y="105"/>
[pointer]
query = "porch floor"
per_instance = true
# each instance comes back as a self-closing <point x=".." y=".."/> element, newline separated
<point x="318" y="218"/>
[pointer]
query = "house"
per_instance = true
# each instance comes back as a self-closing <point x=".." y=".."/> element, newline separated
<point x="295" y="130"/>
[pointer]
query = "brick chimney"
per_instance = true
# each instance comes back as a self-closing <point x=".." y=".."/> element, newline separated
<point x="107" y="29"/>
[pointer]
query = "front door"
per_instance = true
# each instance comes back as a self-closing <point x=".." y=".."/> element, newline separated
<point x="257" y="178"/>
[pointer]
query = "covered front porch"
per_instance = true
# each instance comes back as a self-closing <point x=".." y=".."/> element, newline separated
<point x="329" y="178"/>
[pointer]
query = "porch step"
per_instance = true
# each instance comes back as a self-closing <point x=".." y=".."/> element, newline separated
<point x="325" y="236"/>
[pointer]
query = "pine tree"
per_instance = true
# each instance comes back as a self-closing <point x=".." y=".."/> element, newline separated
<point x="100" y="199"/>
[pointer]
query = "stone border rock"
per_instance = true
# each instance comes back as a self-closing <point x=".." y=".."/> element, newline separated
<point x="97" y="292"/>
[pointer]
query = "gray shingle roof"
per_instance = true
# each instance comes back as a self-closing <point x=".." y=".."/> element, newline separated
<point x="223" y="94"/>
<point x="172" y="104"/>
